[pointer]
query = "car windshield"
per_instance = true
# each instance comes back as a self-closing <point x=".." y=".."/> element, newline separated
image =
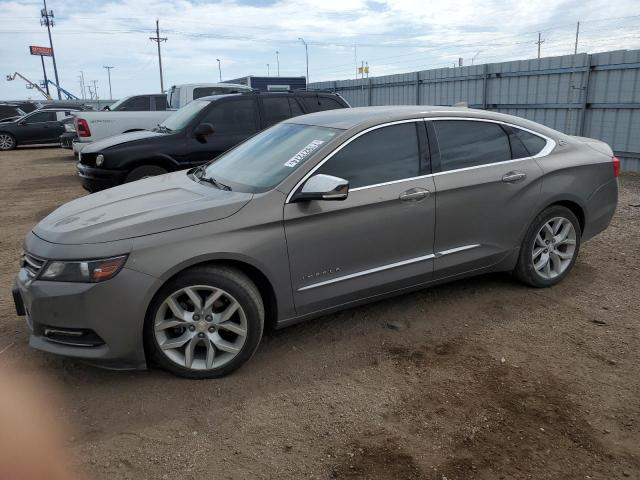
<point x="266" y="159"/>
<point x="181" y="118"/>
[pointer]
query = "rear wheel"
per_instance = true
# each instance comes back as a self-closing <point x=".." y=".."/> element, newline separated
<point x="550" y="247"/>
<point x="7" y="141"/>
<point x="144" y="171"/>
<point x="205" y="323"/>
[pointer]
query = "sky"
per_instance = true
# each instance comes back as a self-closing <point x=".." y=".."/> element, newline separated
<point x="392" y="36"/>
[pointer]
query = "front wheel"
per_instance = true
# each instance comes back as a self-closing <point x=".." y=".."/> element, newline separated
<point x="205" y="323"/>
<point x="550" y="248"/>
<point x="144" y="171"/>
<point x="7" y="141"/>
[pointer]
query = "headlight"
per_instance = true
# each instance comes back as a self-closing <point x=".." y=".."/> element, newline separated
<point x="99" y="159"/>
<point x="88" y="271"/>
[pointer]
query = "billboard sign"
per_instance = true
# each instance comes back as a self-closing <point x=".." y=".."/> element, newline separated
<point x="42" y="51"/>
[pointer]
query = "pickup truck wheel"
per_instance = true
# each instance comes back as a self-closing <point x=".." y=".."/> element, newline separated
<point x="7" y="142"/>
<point x="204" y="323"/>
<point x="143" y="172"/>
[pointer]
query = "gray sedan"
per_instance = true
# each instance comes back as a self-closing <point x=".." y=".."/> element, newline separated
<point x="316" y="214"/>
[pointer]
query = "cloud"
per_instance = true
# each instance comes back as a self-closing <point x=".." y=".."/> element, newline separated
<point x="392" y="35"/>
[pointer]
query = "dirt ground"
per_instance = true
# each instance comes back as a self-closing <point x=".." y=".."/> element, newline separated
<point x="482" y="378"/>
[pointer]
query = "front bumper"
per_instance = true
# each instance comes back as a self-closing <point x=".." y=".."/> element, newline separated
<point x="112" y="312"/>
<point x="95" y="179"/>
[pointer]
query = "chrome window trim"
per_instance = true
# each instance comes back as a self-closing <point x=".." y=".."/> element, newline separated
<point x="329" y="156"/>
<point x="547" y="149"/>
<point x="389" y="266"/>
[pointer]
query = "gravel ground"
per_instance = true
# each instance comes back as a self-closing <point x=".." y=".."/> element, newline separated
<point x="482" y="378"/>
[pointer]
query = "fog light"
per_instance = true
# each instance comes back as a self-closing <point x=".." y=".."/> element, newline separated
<point x="99" y="160"/>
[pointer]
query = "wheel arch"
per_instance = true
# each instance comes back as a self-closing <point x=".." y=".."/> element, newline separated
<point x="162" y="161"/>
<point x="255" y="274"/>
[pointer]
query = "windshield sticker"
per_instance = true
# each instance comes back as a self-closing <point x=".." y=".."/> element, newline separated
<point x="302" y="154"/>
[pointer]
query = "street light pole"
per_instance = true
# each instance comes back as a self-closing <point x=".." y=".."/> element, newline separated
<point x="109" y="75"/>
<point x="268" y="70"/>
<point x="219" y="69"/>
<point x="306" y="51"/>
<point x="278" y="61"/>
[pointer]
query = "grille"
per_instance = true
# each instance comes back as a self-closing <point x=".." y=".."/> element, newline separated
<point x="32" y="264"/>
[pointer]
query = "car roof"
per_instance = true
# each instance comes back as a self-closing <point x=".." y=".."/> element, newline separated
<point x="364" y="117"/>
<point x="258" y="93"/>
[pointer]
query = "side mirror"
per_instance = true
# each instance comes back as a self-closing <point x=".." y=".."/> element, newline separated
<point x="203" y="130"/>
<point x="23" y="122"/>
<point x="323" y="187"/>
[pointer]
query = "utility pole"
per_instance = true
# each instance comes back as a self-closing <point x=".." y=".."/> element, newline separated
<point x="539" y="42"/>
<point x="278" y="61"/>
<point x="159" y="39"/>
<point x="219" y="69"/>
<point x="362" y="70"/>
<point x="355" y="58"/>
<point x="367" y="69"/>
<point x="109" y="75"/>
<point x="84" y="94"/>
<point x="95" y="88"/>
<point x="81" y="86"/>
<point x="268" y="71"/>
<point x="44" y="72"/>
<point x="306" y="52"/>
<point x="90" y="92"/>
<point x="47" y="20"/>
<point x="575" y="49"/>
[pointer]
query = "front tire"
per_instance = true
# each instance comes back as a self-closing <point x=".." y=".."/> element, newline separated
<point x="7" y="141"/>
<point x="205" y="323"/>
<point x="550" y="248"/>
<point x="144" y="171"/>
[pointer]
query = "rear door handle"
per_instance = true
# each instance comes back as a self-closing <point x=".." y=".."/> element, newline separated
<point x="513" y="177"/>
<point x="414" y="194"/>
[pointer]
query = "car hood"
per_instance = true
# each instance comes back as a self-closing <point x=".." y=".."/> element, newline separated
<point x="148" y="206"/>
<point x="100" y="145"/>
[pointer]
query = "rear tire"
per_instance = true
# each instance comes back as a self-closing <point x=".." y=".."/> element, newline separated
<point x="7" y="141"/>
<point x="192" y="338"/>
<point x="550" y="248"/>
<point x="144" y="171"/>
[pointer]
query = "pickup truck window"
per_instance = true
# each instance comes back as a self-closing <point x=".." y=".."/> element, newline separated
<point x="181" y="118"/>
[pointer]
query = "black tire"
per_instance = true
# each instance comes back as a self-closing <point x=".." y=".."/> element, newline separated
<point x="525" y="270"/>
<point x="144" y="171"/>
<point x="8" y="141"/>
<point x="228" y="279"/>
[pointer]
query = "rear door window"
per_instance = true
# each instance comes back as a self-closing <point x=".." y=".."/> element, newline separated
<point x="276" y="109"/>
<point x="465" y="143"/>
<point x="159" y="102"/>
<point x="235" y="116"/>
<point x="319" y="103"/>
<point x="382" y="155"/>
<point x="42" y="117"/>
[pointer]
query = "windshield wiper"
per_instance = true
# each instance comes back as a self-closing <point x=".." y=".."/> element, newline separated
<point x="199" y="174"/>
<point x="162" y="128"/>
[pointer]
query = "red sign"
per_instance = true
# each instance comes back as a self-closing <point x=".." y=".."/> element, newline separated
<point x="42" y="51"/>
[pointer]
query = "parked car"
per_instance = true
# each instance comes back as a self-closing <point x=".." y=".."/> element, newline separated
<point x="140" y="103"/>
<point x="193" y="135"/>
<point x="94" y="126"/>
<point x="10" y="112"/>
<point x="180" y="95"/>
<point x="69" y="135"/>
<point x="38" y="127"/>
<point x="315" y="214"/>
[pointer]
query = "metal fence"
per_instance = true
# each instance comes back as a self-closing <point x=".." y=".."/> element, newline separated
<point x="594" y="95"/>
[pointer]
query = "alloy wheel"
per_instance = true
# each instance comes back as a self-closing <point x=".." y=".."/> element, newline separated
<point x="554" y="247"/>
<point x="200" y="327"/>
<point x="6" y="142"/>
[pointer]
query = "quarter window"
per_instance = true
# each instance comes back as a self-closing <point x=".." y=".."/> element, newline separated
<point x="233" y="117"/>
<point x="319" y="103"/>
<point x="533" y="143"/>
<point x="382" y="155"/>
<point x="464" y="143"/>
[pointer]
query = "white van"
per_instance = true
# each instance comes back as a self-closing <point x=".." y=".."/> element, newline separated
<point x="180" y="95"/>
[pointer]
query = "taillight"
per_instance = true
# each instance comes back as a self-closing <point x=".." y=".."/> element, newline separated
<point x="82" y="128"/>
<point x="616" y="166"/>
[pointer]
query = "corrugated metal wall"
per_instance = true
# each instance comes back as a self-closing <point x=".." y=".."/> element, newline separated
<point x="589" y="95"/>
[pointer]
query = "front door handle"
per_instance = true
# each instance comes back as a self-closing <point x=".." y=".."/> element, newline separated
<point x="414" y="195"/>
<point x="513" y="177"/>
